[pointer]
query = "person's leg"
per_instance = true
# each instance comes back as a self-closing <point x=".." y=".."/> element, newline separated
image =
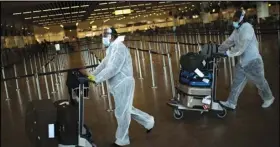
<point x="123" y="96"/>
<point x="239" y="82"/>
<point x="255" y="73"/>
<point x="143" y="118"/>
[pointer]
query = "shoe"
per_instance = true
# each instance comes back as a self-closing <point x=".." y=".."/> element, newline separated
<point x="151" y="126"/>
<point x="228" y="105"/>
<point x="148" y="131"/>
<point x="268" y="103"/>
<point x="115" y="145"/>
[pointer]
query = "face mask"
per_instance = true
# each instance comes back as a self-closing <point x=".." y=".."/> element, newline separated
<point x="235" y="25"/>
<point x="106" y="41"/>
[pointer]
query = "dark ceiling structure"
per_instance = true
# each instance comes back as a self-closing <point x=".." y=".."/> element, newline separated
<point x="63" y="12"/>
<point x="71" y="12"/>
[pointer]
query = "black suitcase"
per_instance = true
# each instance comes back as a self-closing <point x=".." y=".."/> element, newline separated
<point x="81" y="135"/>
<point x="40" y="119"/>
<point x="67" y="122"/>
<point x="191" y="61"/>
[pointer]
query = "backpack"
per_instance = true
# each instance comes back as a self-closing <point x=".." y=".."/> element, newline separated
<point x="191" y="61"/>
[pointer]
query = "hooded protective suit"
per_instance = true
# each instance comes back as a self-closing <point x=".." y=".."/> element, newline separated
<point x="245" y="45"/>
<point x="117" y="69"/>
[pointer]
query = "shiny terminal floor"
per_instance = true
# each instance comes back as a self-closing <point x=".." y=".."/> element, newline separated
<point x="248" y="126"/>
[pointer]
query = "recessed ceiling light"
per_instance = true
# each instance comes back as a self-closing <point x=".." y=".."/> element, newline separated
<point x="16" y="13"/>
<point x="84" y="5"/>
<point x="28" y="18"/>
<point x="36" y="11"/>
<point x="47" y="10"/>
<point x="27" y="12"/>
<point x="102" y="3"/>
<point x="66" y="13"/>
<point x="75" y="7"/>
<point x="65" y="8"/>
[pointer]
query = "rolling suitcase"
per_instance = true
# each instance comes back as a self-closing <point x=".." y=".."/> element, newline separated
<point x="81" y="133"/>
<point x="40" y="119"/>
<point x="188" y="90"/>
<point x="67" y="122"/>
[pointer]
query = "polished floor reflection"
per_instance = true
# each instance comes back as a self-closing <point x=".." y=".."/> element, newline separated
<point x="248" y="126"/>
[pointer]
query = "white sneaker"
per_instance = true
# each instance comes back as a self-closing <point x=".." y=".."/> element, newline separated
<point x="228" y="105"/>
<point x="268" y="103"/>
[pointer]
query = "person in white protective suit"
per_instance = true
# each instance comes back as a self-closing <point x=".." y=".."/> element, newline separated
<point x="244" y="44"/>
<point x="117" y="68"/>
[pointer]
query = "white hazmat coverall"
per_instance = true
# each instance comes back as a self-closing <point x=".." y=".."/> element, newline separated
<point x="250" y="66"/>
<point x="117" y="68"/>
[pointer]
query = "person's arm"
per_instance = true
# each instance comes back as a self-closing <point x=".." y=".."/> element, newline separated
<point x="100" y="67"/>
<point x="227" y="44"/>
<point x="114" y="65"/>
<point x="244" y="39"/>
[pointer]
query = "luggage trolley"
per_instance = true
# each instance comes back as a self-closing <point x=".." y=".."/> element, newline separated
<point x="84" y="134"/>
<point x="201" y="99"/>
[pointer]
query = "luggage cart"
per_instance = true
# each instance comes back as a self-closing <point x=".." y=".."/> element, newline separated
<point x="194" y="98"/>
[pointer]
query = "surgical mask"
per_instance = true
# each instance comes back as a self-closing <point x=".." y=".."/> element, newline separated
<point x="235" y="25"/>
<point x="106" y="41"/>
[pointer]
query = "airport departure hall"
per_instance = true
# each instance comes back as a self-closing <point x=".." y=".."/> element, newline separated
<point x="140" y="74"/>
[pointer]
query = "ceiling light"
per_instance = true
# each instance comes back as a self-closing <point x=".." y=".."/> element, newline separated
<point x="70" y="30"/>
<point x="58" y="14"/>
<point x="97" y="10"/>
<point x="47" y="10"/>
<point x="75" y="7"/>
<point x="77" y="24"/>
<point x="105" y="9"/>
<point x="55" y="9"/>
<point x="161" y="2"/>
<point x="28" y="18"/>
<point x="82" y="12"/>
<point x="213" y="10"/>
<point x="16" y="13"/>
<point x="65" y="8"/>
<point x="80" y="15"/>
<point x="27" y="12"/>
<point x="84" y="5"/>
<point x="44" y="16"/>
<point x="51" y="15"/>
<point x="112" y="2"/>
<point x="74" y="16"/>
<point x="102" y="3"/>
<point x="269" y="5"/>
<point x="91" y="22"/>
<point x="36" y="11"/>
<point x="141" y="4"/>
<point x="36" y="17"/>
<point x="66" y="13"/>
<point x="74" y="12"/>
<point x="125" y="11"/>
<point x="46" y="28"/>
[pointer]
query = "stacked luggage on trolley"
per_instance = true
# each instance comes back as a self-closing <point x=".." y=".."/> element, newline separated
<point x="59" y="123"/>
<point x="196" y="90"/>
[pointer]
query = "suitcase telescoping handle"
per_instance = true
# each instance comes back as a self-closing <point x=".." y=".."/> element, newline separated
<point x="82" y="81"/>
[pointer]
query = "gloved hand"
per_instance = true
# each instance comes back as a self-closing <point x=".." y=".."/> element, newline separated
<point x="225" y="54"/>
<point x="91" y="78"/>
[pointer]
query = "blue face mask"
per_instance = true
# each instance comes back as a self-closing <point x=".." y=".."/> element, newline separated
<point x="106" y="41"/>
<point x="235" y="25"/>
